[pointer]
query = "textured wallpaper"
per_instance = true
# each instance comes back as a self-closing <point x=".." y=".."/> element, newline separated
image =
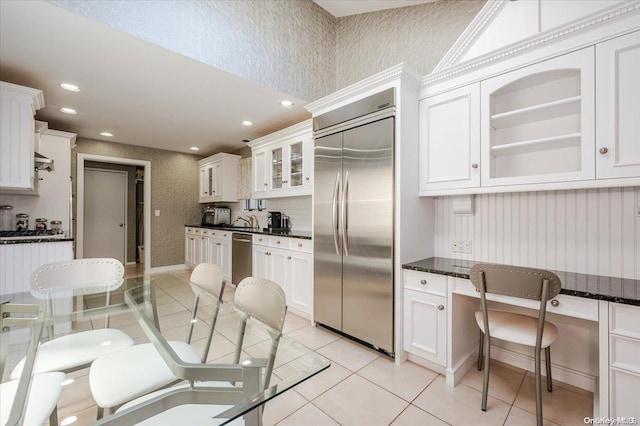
<point x="174" y="191"/>
<point x="287" y="45"/>
<point x="417" y="35"/>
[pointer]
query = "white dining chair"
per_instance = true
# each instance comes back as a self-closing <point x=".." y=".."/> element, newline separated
<point x="123" y="375"/>
<point x="255" y="298"/>
<point x="526" y="283"/>
<point x="67" y="279"/>
<point x="42" y="401"/>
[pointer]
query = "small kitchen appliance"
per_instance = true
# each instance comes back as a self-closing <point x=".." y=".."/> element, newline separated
<point x="6" y="218"/>
<point x="216" y="216"/>
<point x="274" y="221"/>
<point x="22" y="222"/>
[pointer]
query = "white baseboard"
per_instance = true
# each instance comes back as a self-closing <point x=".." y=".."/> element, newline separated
<point x="170" y="268"/>
<point x="562" y="374"/>
<point x="455" y="374"/>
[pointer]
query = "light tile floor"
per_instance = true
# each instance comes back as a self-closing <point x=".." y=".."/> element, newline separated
<point x="362" y="387"/>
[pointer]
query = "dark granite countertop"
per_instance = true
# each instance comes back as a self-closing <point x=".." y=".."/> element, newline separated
<point x="36" y="240"/>
<point x="305" y="235"/>
<point x="611" y="289"/>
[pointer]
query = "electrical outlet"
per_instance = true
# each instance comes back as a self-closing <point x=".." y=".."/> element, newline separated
<point x="461" y="246"/>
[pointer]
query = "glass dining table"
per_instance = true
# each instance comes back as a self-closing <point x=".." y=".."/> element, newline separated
<point x="243" y="392"/>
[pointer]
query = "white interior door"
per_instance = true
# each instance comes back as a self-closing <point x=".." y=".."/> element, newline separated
<point x="105" y="212"/>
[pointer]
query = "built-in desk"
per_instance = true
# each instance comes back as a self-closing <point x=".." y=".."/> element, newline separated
<point x="598" y="318"/>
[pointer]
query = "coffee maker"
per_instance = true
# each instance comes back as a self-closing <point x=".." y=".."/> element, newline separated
<point x="274" y="220"/>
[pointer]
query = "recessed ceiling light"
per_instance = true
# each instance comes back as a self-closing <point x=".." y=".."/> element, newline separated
<point x="68" y="110"/>
<point x="286" y="104"/>
<point x="70" y="87"/>
<point x="106" y="134"/>
<point x="194" y="148"/>
<point x="247" y="123"/>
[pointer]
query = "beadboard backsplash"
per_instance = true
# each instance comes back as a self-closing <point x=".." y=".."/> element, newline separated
<point x="594" y="231"/>
<point x="297" y="208"/>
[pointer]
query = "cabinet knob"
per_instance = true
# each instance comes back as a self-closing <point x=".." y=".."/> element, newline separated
<point x="218" y="244"/>
<point x="259" y="239"/>
<point x="278" y="242"/>
<point x="555" y="303"/>
<point x="474" y="165"/>
<point x="265" y="184"/>
<point x="288" y="257"/>
<point x="440" y="307"/>
<point x="299" y="244"/>
<point x="423" y="282"/>
<point x="604" y="150"/>
<point x="307" y="178"/>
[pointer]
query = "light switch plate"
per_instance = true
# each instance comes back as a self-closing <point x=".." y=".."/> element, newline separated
<point x="157" y="212"/>
<point x="461" y="246"/>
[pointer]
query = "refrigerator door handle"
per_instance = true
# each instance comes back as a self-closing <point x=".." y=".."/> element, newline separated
<point x="344" y="213"/>
<point x="334" y="214"/>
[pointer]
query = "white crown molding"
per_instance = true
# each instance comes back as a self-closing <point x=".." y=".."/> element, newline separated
<point x="569" y="30"/>
<point x="396" y="72"/>
<point x="470" y="34"/>
<point x="289" y="132"/>
<point x="22" y="93"/>
<point x="219" y="156"/>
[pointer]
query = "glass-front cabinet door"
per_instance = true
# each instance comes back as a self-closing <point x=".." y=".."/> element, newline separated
<point x="276" y="168"/>
<point x="296" y="165"/>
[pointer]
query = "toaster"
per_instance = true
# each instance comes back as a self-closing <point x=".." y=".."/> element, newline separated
<point x="216" y="216"/>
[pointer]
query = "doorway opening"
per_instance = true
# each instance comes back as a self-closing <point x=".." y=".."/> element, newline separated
<point x="139" y="221"/>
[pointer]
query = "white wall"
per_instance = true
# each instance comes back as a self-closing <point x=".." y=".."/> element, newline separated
<point x="595" y="231"/>
<point x="55" y="187"/>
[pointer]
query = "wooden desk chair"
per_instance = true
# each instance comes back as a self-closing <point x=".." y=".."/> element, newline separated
<point x="123" y="375"/>
<point x="77" y="350"/>
<point x="527" y="283"/>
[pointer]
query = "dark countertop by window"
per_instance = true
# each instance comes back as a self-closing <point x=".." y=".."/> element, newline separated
<point x="611" y="289"/>
<point x="35" y="240"/>
<point x="305" y="235"/>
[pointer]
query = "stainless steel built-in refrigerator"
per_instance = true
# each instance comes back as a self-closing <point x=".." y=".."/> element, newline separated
<point x="353" y="219"/>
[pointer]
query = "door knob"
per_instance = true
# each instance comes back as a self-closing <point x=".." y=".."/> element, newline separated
<point x="121" y="225"/>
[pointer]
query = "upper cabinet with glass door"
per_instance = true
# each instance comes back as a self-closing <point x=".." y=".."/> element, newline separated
<point x="283" y="162"/>
<point x="218" y="178"/>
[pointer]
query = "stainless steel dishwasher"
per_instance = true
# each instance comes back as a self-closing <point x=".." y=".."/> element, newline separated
<point x="241" y="263"/>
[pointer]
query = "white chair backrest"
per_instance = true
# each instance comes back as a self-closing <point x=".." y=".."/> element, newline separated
<point x="93" y="275"/>
<point x="263" y="300"/>
<point x="208" y="277"/>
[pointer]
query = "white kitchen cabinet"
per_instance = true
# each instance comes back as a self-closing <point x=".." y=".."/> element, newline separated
<point x="283" y="162"/>
<point x="190" y="247"/>
<point x="289" y="263"/>
<point x="425" y="318"/>
<point x="18" y="105"/>
<point x="219" y="243"/>
<point x="618" y="107"/>
<point x="624" y="360"/>
<point x="218" y="178"/>
<point x="537" y="122"/>
<point x="450" y="139"/>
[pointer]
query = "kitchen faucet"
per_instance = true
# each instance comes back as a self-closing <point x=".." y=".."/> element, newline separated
<point x="252" y="221"/>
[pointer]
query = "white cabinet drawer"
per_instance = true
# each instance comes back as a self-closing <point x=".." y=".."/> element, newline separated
<point x="573" y="306"/>
<point x="624" y="320"/>
<point x="298" y="244"/>
<point x="624" y="353"/>
<point x="623" y="388"/>
<point x="220" y="234"/>
<point x="260" y="240"/>
<point x="189" y="230"/>
<point x="426" y="282"/>
<point x="280" y="242"/>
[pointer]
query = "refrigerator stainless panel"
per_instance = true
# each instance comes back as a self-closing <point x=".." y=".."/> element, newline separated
<point x="327" y="287"/>
<point x="367" y="212"/>
<point x="376" y="102"/>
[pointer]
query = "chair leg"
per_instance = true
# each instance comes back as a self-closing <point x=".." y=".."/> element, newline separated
<point x="547" y="358"/>
<point x="538" y="380"/>
<point x="485" y="382"/>
<point x="53" y="417"/>
<point x="480" y="349"/>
